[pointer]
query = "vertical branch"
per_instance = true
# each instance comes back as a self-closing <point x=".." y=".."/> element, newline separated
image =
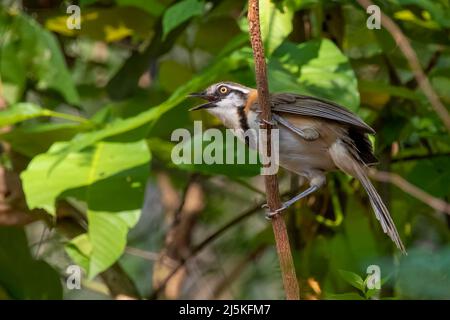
<point x="271" y="182"/>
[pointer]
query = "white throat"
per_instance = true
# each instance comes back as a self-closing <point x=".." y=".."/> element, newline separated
<point x="229" y="116"/>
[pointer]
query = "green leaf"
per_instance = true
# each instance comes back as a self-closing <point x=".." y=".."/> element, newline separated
<point x="382" y="88"/>
<point x="439" y="11"/>
<point x="105" y="241"/>
<point x="353" y="279"/>
<point x="110" y="177"/>
<point x="40" y="59"/>
<point x="79" y="249"/>
<point x="122" y="163"/>
<point x="359" y="42"/>
<point x="21" y="277"/>
<point x="108" y="236"/>
<point x="276" y="24"/>
<point x="179" y="13"/>
<point x="25" y="111"/>
<point x="21" y="112"/>
<point x="371" y="292"/>
<point x="317" y="68"/>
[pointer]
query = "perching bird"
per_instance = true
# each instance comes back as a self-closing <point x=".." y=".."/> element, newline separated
<point x="315" y="136"/>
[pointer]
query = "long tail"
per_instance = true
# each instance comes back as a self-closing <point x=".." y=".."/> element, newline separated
<point x="346" y="162"/>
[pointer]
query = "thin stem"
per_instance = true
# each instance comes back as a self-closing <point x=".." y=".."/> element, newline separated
<point x="291" y="286"/>
<point x="66" y="116"/>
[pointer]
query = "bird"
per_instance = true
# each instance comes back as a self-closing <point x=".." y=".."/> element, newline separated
<point x="316" y="136"/>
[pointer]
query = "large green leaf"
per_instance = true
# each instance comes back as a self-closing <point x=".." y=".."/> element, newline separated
<point x="316" y="68"/>
<point x="21" y="277"/>
<point x="276" y="24"/>
<point x="104" y="242"/>
<point x="110" y="177"/>
<point x="179" y="13"/>
<point x="108" y="237"/>
<point x="30" y="51"/>
<point x="110" y="166"/>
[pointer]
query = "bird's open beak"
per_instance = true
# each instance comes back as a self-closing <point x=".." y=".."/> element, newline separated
<point x="203" y="95"/>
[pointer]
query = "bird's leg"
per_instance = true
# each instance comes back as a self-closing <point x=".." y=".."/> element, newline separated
<point x="264" y="121"/>
<point x="318" y="180"/>
<point x="287" y="204"/>
<point x="301" y="195"/>
<point x="270" y="123"/>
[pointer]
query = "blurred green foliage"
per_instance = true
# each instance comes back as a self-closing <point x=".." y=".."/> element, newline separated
<point x="91" y="113"/>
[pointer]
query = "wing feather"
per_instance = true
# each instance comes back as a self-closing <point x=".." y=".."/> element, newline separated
<point x="315" y="107"/>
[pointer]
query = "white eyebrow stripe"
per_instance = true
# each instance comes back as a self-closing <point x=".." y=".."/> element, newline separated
<point x="240" y="89"/>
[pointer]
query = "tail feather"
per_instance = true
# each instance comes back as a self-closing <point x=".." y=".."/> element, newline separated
<point x="345" y="161"/>
<point x="381" y="212"/>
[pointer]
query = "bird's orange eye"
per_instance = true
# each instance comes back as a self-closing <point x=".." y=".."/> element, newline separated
<point x="223" y="89"/>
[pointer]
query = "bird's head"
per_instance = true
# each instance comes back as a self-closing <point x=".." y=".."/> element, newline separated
<point x="228" y="101"/>
<point x="223" y="96"/>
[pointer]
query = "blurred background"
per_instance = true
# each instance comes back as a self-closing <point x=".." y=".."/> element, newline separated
<point x="91" y="93"/>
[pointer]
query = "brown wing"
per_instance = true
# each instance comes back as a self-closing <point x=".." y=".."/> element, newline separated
<point x="315" y="107"/>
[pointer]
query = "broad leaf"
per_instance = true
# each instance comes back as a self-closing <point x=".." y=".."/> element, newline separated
<point x="40" y="58"/>
<point x="353" y="279"/>
<point x="316" y="68"/>
<point x="110" y="166"/>
<point x="276" y="24"/>
<point x="179" y="13"/>
<point x="110" y="177"/>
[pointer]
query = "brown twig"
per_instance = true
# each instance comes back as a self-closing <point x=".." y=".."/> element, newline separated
<point x="420" y="157"/>
<point x="271" y="182"/>
<point x="410" y="55"/>
<point x="395" y="179"/>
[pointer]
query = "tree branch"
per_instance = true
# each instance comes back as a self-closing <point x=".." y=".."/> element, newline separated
<point x="410" y="55"/>
<point x="290" y="282"/>
<point x="404" y="185"/>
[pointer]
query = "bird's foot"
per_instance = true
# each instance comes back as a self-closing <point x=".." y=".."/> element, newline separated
<point x="270" y="123"/>
<point x="271" y="214"/>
